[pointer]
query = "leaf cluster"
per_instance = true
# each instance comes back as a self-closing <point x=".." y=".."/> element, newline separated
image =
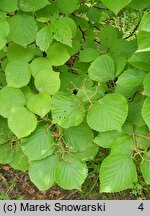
<point x="71" y="82"/>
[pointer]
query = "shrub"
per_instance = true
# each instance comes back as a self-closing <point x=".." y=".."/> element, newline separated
<point x="75" y="76"/>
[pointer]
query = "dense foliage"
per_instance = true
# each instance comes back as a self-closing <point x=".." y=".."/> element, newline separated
<point x="75" y="78"/>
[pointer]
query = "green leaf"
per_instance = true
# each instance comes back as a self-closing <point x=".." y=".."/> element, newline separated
<point x="126" y="91"/>
<point x="4" y="26"/>
<point x="17" y="74"/>
<point x="42" y="172"/>
<point x="108" y="35"/>
<point x="66" y="78"/>
<point x="106" y="139"/>
<point x="123" y="145"/>
<point x="146" y="112"/>
<point x="23" y="118"/>
<point x="23" y="29"/>
<point x="120" y="63"/>
<point x="5" y="133"/>
<point x="47" y="81"/>
<point x="117" y="5"/>
<point x="2" y="54"/>
<point x="32" y="5"/>
<point x="71" y="23"/>
<point x="127" y="128"/>
<point x="142" y="136"/>
<point x="27" y="91"/>
<point x="57" y="54"/>
<point x="75" y="47"/>
<point x="39" y="64"/>
<point x="131" y="77"/>
<point x="94" y="14"/>
<point x="140" y="60"/>
<point x="146" y="85"/>
<point x="145" y="23"/>
<point x="102" y="69"/>
<point x="44" y="38"/>
<point x="71" y="173"/>
<point x="143" y="41"/>
<point x="6" y="153"/>
<point x="139" y="5"/>
<point x="38" y="144"/>
<point x="9" y="5"/>
<point x="20" y="161"/>
<point x="3" y="67"/>
<point x="48" y="13"/>
<point x="19" y="53"/>
<point x="67" y="110"/>
<point x="145" y="167"/>
<point x="135" y="108"/>
<point x="117" y="173"/>
<point x="88" y="55"/>
<point x="143" y="35"/>
<point x="109" y="113"/>
<point x="124" y="47"/>
<point x="2" y="42"/>
<point x="88" y="154"/>
<point x="9" y="98"/>
<point x="62" y="32"/>
<point x="39" y="104"/>
<point x="66" y="8"/>
<point x="2" y="79"/>
<point x="78" y="138"/>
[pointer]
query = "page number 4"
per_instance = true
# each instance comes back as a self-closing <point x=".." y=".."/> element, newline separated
<point x="141" y="207"/>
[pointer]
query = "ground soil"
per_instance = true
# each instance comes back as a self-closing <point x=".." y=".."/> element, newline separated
<point x="16" y="185"/>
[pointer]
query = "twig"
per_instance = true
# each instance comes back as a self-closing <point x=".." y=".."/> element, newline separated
<point x="134" y="30"/>
<point x="83" y="33"/>
<point x="100" y="8"/>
